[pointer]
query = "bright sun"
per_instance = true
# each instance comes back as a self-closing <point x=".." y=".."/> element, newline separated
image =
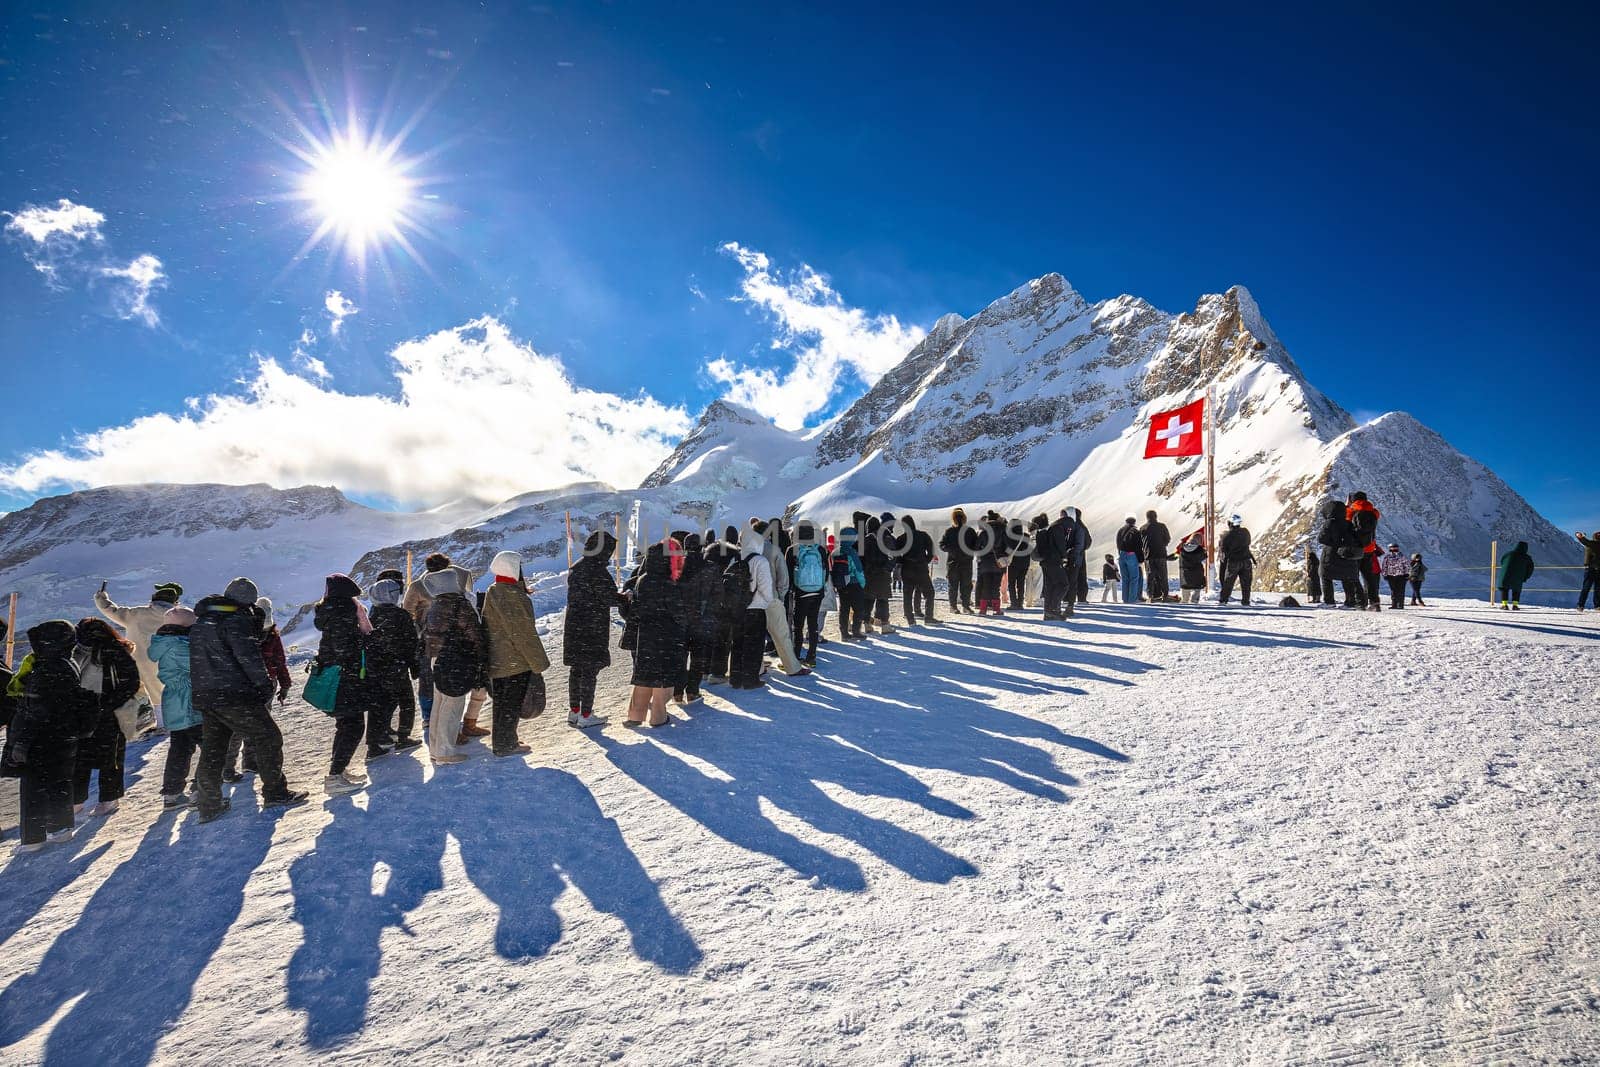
<point x="359" y="190"/>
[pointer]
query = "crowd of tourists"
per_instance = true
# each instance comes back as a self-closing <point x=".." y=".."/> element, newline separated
<point x="697" y="609"/>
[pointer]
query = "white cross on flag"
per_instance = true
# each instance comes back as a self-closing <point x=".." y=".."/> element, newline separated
<point x="1177" y="432"/>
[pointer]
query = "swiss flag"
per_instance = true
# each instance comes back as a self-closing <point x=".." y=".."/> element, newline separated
<point x="1177" y="432"/>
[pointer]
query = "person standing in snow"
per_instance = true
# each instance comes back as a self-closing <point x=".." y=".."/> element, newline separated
<point x="1313" y="577"/>
<point x="808" y="576"/>
<point x="1157" y="541"/>
<point x="277" y="664"/>
<point x="992" y="564"/>
<point x="849" y="584"/>
<point x="1079" y="563"/>
<point x="1109" y="579"/>
<point x="453" y="649"/>
<point x="417" y="601"/>
<point x="1130" y="559"/>
<point x="394" y="658"/>
<point x="1191" y="567"/>
<point x="702" y="598"/>
<point x="1591" y="568"/>
<point x="1019" y="545"/>
<point x="719" y="554"/>
<point x="915" y="562"/>
<point x="747" y="590"/>
<point x="140" y="622"/>
<point x="592" y="595"/>
<point x="345" y="627"/>
<point x="879" y="564"/>
<point x="51" y="711"/>
<point x="1516" y="567"/>
<point x="1057" y="551"/>
<point x="1363" y="516"/>
<point x="105" y="668"/>
<point x="169" y="650"/>
<point x="663" y="640"/>
<point x="958" y="562"/>
<point x="1419" y="571"/>
<point x="1342" y="556"/>
<point x="1397" y="572"/>
<point x="517" y="657"/>
<point x="1238" y="561"/>
<point x="232" y="691"/>
<point x="779" y="629"/>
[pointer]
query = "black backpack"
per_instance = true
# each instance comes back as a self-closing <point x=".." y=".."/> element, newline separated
<point x="736" y="591"/>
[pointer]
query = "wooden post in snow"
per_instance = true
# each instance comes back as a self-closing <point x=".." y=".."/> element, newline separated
<point x="11" y="631"/>
<point x="616" y="549"/>
<point x="408" y="570"/>
<point x="1493" y="563"/>
<point x="569" y="540"/>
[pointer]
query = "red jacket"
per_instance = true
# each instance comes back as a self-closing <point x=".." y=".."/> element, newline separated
<point x="273" y="655"/>
<point x="1359" y="507"/>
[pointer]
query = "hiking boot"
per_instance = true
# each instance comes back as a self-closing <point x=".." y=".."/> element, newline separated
<point x="292" y="799"/>
<point x="378" y="753"/>
<point x="406" y="744"/>
<point x="590" y="720"/>
<point x="343" y="783"/>
<point x="520" y="750"/>
<point x="217" y="813"/>
<point x="173" y="801"/>
<point x="454" y="757"/>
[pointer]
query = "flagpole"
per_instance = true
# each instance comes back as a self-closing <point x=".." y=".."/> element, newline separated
<point x="1211" y="481"/>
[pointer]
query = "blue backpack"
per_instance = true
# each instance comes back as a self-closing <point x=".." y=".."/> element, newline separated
<point x="809" y="575"/>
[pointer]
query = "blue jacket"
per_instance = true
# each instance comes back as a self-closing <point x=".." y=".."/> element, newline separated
<point x="169" y="649"/>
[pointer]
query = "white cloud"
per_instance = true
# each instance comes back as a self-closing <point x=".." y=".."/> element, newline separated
<point x="827" y="339"/>
<point x="54" y="242"/>
<point x="339" y="308"/>
<point x="72" y="221"/>
<point x="130" y="294"/>
<point x="479" y="414"/>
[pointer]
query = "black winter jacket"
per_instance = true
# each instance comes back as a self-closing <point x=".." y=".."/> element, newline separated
<point x="1191" y="566"/>
<point x="1337" y="533"/>
<point x="659" y="611"/>
<point x="1130" y="540"/>
<point x="394" y="648"/>
<point x="226" y="669"/>
<point x="343" y="645"/>
<point x="592" y="594"/>
<point x="53" y="712"/>
<point x="1235" y="548"/>
<point x="1156" y="538"/>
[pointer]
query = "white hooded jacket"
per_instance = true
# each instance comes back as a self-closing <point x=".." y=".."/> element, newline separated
<point x="140" y="621"/>
<point x="751" y="546"/>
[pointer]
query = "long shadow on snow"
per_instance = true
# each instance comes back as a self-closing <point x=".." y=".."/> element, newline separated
<point x="778" y="744"/>
<point x="33" y="880"/>
<point x="540" y="831"/>
<point x="1187" y="624"/>
<point x="132" y="959"/>
<point x="1554" y="631"/>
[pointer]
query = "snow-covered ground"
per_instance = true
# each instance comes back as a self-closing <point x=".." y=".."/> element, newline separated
<point x="1156" y="834"/>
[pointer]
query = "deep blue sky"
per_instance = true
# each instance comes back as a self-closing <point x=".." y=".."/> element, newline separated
<point x="1407" y="194"/>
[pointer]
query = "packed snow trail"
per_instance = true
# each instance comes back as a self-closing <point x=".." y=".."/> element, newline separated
<point x="1156" y="833"/>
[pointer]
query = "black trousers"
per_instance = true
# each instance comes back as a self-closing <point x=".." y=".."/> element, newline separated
<point x="852" y="610"/>
<point x="958" y="573"/>
<point x="1512" y="593"/>
<point x="1055" y="585"/>
<point x="391" y="693"/>
<point x="1355" y="594"/>
<point x="1397" y="590"/>
<point x="749" y="642"/>
<point x="1078" y="578"/>
<point x="721" y="651"/>
<point x="1313" y="587"/>
<point x="46" y="785"/>
<point x="807" y="608"/>
<point x="102" y="753"/>
<point x="918" y="593"/>
<point x="1370" y="580"/>
<point x="1591" y="580"/>
<point x="1017" y="582"/>
<point x="181" y="747"/>
<point x="508" y="695"/>
<point x="581" y="682"/>
<point x="348" y="730"/>
<point x="255" y="725"/>
<point x="989" y="588"/>
<point x="1416" y="594"/>
<point x="696" y="657"/>
<point x="1156" y="586"/>
<point x="1243" y="574"/>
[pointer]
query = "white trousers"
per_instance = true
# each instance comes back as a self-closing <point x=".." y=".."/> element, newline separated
<point x="444" y="724"/>
<point x="782" y="638"/>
